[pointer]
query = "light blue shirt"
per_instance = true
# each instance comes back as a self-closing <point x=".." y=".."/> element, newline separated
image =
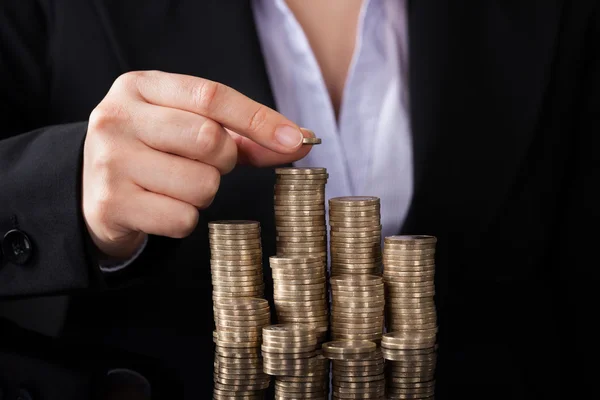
<point x="367" y="150"/>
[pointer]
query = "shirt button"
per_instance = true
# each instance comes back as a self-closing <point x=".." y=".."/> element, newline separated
<point x="17" y="247"/>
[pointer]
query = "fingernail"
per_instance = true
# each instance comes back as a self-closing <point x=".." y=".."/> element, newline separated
<point x="307" y="132"/>
<point x="288" y="136"/>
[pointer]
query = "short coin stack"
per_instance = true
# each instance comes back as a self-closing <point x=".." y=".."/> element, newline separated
<point x="409" y="269"/>
<point x="299" y="292"/>
<point x="358" y="303"/>
<point x="357" y="369"/>
<point x="238" y="367"/>
<point x="355" y="235"/>
<point x="300" y="212"/>
<point x="410" y="364"/>
<point x="290" y="353"/>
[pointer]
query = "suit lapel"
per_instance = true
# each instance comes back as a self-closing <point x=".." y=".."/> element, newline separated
<point x="478" y="72"/>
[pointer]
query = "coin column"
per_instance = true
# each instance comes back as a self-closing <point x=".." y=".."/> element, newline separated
<point x="300" y="212"/>
<point x="357" y="307"/>
<point x="357" y="369"/>
<point x="410" y="345"/>
<point x="299" y="292"/>
<point x="290" y="354"/>
<point x="236" y="259"/>
<point x="355" y="235"/>
<point x="237" y="278"/>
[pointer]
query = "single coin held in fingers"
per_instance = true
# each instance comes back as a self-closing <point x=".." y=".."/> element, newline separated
<point x="311" y="141"/>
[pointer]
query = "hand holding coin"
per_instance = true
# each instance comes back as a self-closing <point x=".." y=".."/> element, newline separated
<point x="157" y="146"/>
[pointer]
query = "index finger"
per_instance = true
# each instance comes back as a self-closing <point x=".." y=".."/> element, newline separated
<point x="222" y="104"/>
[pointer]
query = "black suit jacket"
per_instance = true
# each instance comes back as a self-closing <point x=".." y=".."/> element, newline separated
<point x="505" y="100"/>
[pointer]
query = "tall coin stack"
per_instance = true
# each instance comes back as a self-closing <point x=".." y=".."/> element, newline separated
<point x="290" y="354"/>
<point x="299" y="292"/>
<point x="358" y="303"/>
<point x="357" y="369"/>
<point x="238" y="366"/>
<point x="355" y="235"/>
<point x="410" y="360"/>
<point x="409" y="270"/>
<point x="300" y="212"/>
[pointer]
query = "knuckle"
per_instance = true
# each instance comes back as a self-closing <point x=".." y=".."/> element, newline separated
<point x="204" y="95"/>
<point x="188" y="220"/>
<point x="208" y="137"/>
<point x="103" y="206"/>
<point x="128" y="80"/>
<point x="104" y="159"/>
<point x="257" y="120"/>
<point x="231" y="161"/>
<point x="106" y="115"/>
<point x="213" y="181"/>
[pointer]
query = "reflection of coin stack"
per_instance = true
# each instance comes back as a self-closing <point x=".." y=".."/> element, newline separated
<point x="355" y="235"/>
<point x="300" y="211"/>
<point x="410" y="360"/>
<point x="409" y="269"/>
<point x="357" y="307"/>
<point x="290" y="353"/>
<point x="357" y="369"/>
<point x="236" y="259"/>
<point x="299" y="292"/>
<point x="238" y="367"/>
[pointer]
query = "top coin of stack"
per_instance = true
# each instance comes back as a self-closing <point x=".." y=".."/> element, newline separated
<point x="409" y="269"/>
<point x="236" y="259"/>
<point x="300" y="211"/>
<point x="355" y="235"/>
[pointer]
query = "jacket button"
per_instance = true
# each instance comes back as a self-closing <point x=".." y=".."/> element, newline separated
<point x="17" y="247"/>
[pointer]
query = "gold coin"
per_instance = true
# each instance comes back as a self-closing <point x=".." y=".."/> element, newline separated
<point x="350" y="201"/>
<point x="311" y="141"/>
<point x="233" y="224"/>
<point x="411" y="239"/>
<point x="294" y="171"/>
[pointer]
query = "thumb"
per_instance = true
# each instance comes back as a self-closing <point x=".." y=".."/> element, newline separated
<point x="250" y="152"/>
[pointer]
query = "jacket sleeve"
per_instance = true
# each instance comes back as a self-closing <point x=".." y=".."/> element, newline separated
<point x="39" y="168"/>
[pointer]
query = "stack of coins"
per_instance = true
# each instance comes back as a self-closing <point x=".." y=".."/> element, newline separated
<point x="357" y="369"/>
<point x="290" y="353"/>
<point x="358" y="303"/>
<point x="355" y="235"/>
<point x="300" y="212"/>
<point x="238" y="366"/>
<point x="300" y="292"/>
<point x="236" y="259"/>
<point x="409" y="268"/>
<point x="410" y="364"/>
